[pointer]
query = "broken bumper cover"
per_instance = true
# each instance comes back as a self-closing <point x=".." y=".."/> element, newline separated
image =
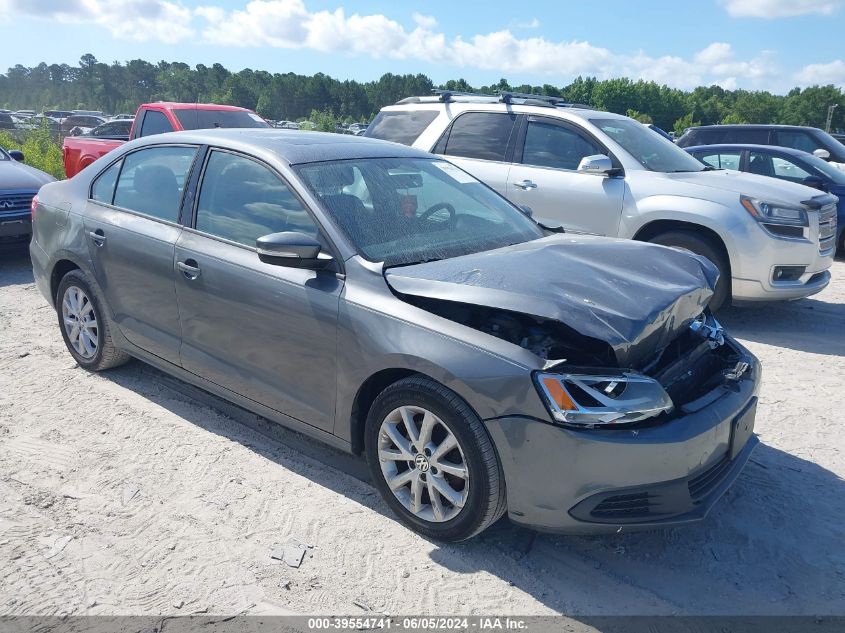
<point x="571" y="481"/>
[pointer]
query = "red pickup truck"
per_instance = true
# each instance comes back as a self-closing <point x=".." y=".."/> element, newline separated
<point x="156" y="118"/>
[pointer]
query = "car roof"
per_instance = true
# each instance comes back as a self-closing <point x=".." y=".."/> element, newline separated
<point x="752" y="126"/>
<point x="173" y="105"/>
<point x="292" y="146"/>
<point x="752" y="147"/>
<point x="489" y="105"/>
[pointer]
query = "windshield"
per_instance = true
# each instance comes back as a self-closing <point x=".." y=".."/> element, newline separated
<point x="4" y="155"/>
<point x="836" y="175"/>
<point x="650" y="150"/>
<point x="404" y="211"/>
<point x="208" y="119"/>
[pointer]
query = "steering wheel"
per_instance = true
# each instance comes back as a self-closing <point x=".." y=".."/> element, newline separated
<point x="436" y="207"/>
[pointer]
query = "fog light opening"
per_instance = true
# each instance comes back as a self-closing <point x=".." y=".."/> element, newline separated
<point x="788" y="273"/>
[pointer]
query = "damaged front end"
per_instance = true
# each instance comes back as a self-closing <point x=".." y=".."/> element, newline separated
<point x="611" y="358"/>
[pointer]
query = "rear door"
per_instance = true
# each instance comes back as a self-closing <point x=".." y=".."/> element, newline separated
<point x="482" y="143"/>
<point x="131" y="225"/>
<point x="266" y="332"/>
<point x="545" y="177"/>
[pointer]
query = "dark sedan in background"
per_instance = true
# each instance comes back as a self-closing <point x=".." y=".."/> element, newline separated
<point x="783" y="163"/>
<point x="385" y="301"/>
<point x="18" y="184"/>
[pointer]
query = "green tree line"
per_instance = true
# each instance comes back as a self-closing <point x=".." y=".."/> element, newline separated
<point x="121" y="87"/>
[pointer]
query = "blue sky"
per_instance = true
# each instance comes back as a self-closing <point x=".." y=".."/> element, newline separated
<point x="755" y="44"/>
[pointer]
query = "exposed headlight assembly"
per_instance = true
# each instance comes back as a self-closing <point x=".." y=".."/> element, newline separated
<point x="779" y="219"/>
<point x="601" y="399"/>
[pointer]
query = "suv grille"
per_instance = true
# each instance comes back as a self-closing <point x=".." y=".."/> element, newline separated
<point x="15" y="202"/>
<point x="827" y="229"/>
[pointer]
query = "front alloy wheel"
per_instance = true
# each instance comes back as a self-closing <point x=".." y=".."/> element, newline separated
<point x="423" y="464"/>
<point x="432" y="460"/>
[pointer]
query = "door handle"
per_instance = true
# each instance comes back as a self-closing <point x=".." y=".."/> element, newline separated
<point x="98" y="237"/>
<point x="526" y="185"/>
<point x="189" y="268"/>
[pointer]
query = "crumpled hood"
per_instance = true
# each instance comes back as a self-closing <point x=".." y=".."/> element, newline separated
<point x="14" y="175"/>
<point x="761" y="187"/>
<point x="635" y="296"/>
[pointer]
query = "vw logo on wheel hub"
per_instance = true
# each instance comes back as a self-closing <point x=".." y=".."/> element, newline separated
<point x="421" y="462"/>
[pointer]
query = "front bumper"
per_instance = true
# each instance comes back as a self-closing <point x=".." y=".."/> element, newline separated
<point x="593" y="481"/>
<point x="15" y="225"/>
<point x="758" y="255"/>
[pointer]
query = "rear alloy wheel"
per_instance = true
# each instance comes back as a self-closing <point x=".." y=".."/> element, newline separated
<point x="85" y="327"/>
<point x="432" y="460"/>
<point x="701" y="245"/>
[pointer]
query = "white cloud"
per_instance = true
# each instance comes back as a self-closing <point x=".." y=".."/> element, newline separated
<point x="139" y="20"/>
<point x="822" y="74"/>
<point x="289" y="24"/>
<point x="779" y="8"/>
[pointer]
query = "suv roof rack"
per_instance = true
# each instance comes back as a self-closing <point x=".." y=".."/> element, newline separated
<point x="504" y="96"/>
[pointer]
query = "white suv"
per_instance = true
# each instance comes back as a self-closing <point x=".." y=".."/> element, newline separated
<point x="601" y="173"/>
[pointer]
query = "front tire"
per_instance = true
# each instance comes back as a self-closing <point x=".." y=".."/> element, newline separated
<point x="701" y="245"/>
<point x="85" y="325"/>
<point x="432" y="460"/>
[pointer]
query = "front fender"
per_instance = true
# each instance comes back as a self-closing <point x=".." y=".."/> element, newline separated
<point x="370" y="341"/>
<point x="730" y="224"/>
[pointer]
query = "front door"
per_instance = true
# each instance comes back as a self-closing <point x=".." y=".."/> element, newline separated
<point x="266" y="332"/>
<point x="545" y="178"/>
<point x="131" y="226"/>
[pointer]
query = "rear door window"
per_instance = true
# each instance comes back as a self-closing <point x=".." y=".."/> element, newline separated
<point x="483" y="135"/>
<point x="720" y="160"/>
<point x="401" y="126"/>
<point x="152" y="181"/>
<point x="241" y="200"/>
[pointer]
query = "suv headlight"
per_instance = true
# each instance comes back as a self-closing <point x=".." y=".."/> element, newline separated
<point x="594" y="399"/>
<point x="774" y="215"/>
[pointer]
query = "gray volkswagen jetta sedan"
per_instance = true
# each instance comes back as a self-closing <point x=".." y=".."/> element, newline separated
<point x="386" y="302"/>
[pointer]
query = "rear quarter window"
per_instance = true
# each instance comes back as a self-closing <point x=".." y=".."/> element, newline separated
<point x="404" y="126"/>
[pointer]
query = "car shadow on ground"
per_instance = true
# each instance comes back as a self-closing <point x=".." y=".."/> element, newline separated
<point x="772" y="545"/>
<point x="15" y="266"/>
<point x="807" y="325"/>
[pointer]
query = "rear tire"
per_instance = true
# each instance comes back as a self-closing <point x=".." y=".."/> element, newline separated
<point x="701" y="245"/>
<point x="85" y="326"/>
<point x="419" y="466"/>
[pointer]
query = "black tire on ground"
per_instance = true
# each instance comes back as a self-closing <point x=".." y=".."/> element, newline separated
<point x="106" y="355"/>
<point x="702" y="245"/>
<point x="486" y="498"/>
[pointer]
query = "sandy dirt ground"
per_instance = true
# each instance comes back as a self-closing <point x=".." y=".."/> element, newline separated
<point x="121" y="495"/>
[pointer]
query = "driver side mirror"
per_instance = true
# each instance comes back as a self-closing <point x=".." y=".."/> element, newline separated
<point x="526" y="210"/>
<point x="17" y="155"/>
<point x="598" y="165"/>
<point x="821" y="153"/>
<point x="291" y="249"/>
<point x="815" y="182"/>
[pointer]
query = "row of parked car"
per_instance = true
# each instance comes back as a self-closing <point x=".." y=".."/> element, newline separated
<point x="67" y="121"/>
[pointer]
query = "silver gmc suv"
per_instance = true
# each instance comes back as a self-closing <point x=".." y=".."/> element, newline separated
<point x="596" y="172"/>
